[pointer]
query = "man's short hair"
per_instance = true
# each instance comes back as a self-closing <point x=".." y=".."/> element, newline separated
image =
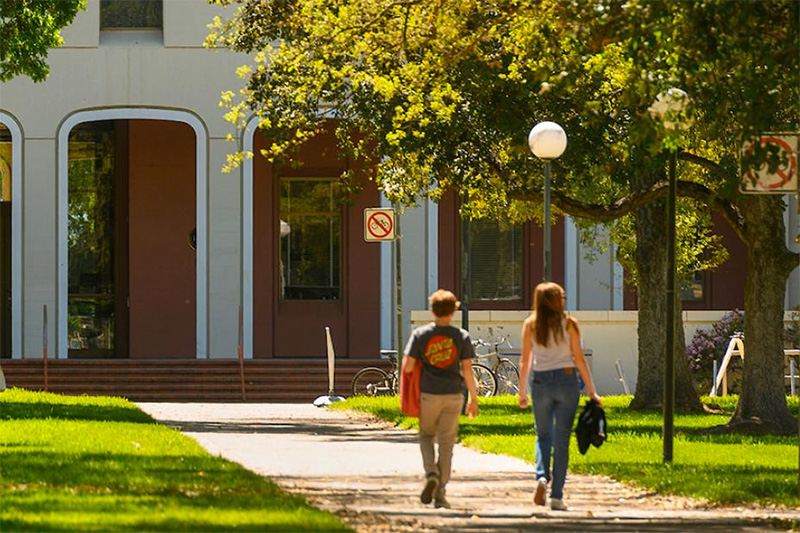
<point x="443" y="303"/>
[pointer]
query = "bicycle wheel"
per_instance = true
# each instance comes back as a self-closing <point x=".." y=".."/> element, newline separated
<point x="507" y="377"/>
<point x="371" y="381"/>
<point x="484" y="378"/>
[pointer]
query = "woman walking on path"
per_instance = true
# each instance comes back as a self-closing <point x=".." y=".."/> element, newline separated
<point x="445" y="353"/>
<point x="551" y="341"/>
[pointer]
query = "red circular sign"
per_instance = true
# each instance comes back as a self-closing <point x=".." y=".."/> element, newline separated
<point x="784" y="174"/>
<point x="379" y="225"/>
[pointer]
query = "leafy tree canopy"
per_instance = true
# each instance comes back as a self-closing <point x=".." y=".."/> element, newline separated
<point x="445" y="91"/>
<point x="28" y="29"/>
<point x="443" y="94"/>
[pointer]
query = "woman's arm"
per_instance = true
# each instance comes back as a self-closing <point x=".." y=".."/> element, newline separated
<point x="525" y="358"/>
<point x="580" y="360"/>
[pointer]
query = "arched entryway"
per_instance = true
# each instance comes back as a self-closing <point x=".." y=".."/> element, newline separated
<point x="132" y="226"/>
<point x="10" y="237"/>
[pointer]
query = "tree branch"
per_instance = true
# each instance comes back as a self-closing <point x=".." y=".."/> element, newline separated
<point x="626" y="204"/>
<point x="701" y="161"/>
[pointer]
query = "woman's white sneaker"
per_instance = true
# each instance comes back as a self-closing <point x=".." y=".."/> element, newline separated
<point x="557" y="504"/>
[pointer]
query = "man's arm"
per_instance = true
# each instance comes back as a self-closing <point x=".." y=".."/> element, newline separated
<point x="408" y="364"/>
<point x="469" y="379"/>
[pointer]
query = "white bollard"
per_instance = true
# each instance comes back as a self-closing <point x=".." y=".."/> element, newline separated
<point x="622" y="377"/>
<point x="322" y="401"/>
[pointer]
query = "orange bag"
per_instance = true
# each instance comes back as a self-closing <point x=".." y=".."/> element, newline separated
<point x="409" y="391"/>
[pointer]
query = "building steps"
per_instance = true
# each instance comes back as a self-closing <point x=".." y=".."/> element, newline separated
<point x="188" y="380"/>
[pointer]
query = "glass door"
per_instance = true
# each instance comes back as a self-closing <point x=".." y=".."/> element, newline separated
<point x="92" y="241"/>
<point x="5" y="242"/>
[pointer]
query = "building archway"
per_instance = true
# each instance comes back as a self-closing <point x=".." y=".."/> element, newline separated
<point x="157" y="240"/>
<point x="11" y="237"/>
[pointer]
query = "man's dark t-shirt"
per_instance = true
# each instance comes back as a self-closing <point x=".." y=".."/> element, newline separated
<point x="441" y="350"/>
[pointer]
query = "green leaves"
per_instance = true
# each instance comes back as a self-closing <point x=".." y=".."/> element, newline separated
<point x="28" y="29"/>
<point x="445" y="92"/>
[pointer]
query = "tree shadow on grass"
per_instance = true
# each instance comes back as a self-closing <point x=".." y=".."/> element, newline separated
<point x="66" y="411"/>
<point x="131" y="492"/>
<point x="687" y="433"/>
<point x="723" y="484"/>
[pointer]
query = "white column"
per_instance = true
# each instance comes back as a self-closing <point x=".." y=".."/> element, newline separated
<point x="571" y="277"/>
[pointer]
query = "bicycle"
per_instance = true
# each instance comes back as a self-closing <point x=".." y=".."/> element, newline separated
<point x="505" y="373"/>
<point x="374" y="381"/>
<point x="485" y="379"/>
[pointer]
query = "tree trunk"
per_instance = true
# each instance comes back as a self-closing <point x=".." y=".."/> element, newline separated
<point x="763" y="398"/>
<point x="651" y="263"/>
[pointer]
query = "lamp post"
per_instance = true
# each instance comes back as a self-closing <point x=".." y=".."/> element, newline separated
<point x="466" y="270"/>
<point x="547" y="140"/>
<point x="668" y="107"/>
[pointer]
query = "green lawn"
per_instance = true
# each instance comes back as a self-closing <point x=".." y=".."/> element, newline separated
<point x="724" y="469"/>
<point x="101" y="464"/>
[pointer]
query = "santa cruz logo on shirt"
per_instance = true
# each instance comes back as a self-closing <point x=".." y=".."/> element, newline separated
<point x="441" y="351"/>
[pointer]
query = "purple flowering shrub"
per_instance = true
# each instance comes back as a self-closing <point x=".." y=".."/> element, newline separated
<point x="710" y="344"/>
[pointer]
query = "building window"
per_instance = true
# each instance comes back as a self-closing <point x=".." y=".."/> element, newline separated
<point x="310" y="245"/>
<point x="131" y="14"/>
<point x="91" y="239"/>
<point x="495" y="261"/>
<point x="694" y="289"/>
<point x="5" y="164"/>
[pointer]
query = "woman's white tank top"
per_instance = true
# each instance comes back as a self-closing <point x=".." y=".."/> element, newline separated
<point x="555" y="355"/>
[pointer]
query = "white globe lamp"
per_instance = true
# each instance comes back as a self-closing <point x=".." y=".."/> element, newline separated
<point x="668" y="107"/>
<point x="547" y="140"/>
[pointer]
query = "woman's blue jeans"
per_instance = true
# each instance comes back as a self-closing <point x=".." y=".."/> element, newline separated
<point x="554" y="395"/>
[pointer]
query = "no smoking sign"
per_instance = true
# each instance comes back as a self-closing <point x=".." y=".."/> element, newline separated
<point x="379" y="224"/>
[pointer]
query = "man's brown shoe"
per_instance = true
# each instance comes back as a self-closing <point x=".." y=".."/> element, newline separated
<point x="440" y="501"/>
<point x="431" y="486"/>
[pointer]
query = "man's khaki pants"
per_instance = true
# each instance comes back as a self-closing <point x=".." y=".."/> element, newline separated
<point x="438" y="418"/>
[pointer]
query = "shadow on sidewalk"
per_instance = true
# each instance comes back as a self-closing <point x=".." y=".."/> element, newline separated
<point x="334" y="429"/>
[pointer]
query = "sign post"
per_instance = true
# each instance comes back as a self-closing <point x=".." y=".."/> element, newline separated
<point x="381" y="224"/>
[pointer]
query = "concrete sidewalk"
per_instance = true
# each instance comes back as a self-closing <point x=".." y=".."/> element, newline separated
<point x="370" y="475"/>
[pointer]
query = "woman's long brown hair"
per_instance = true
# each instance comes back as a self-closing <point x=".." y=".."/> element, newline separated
<point x="548" y="304"/>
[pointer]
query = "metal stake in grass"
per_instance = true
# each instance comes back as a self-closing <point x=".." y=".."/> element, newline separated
<point x="323" y="401"/>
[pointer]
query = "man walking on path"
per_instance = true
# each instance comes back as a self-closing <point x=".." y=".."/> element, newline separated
<point x="445" y="353"/>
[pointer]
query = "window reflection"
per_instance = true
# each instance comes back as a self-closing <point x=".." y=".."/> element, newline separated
<point x="311" y="239"/>
<point x="5" y="241"/>
<point x="91" y="239"/>
<point x="131" y="14"/>
<point x="495" y="260"/>
<point x="693" y="290"/>
<point x="5" y="164"/>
